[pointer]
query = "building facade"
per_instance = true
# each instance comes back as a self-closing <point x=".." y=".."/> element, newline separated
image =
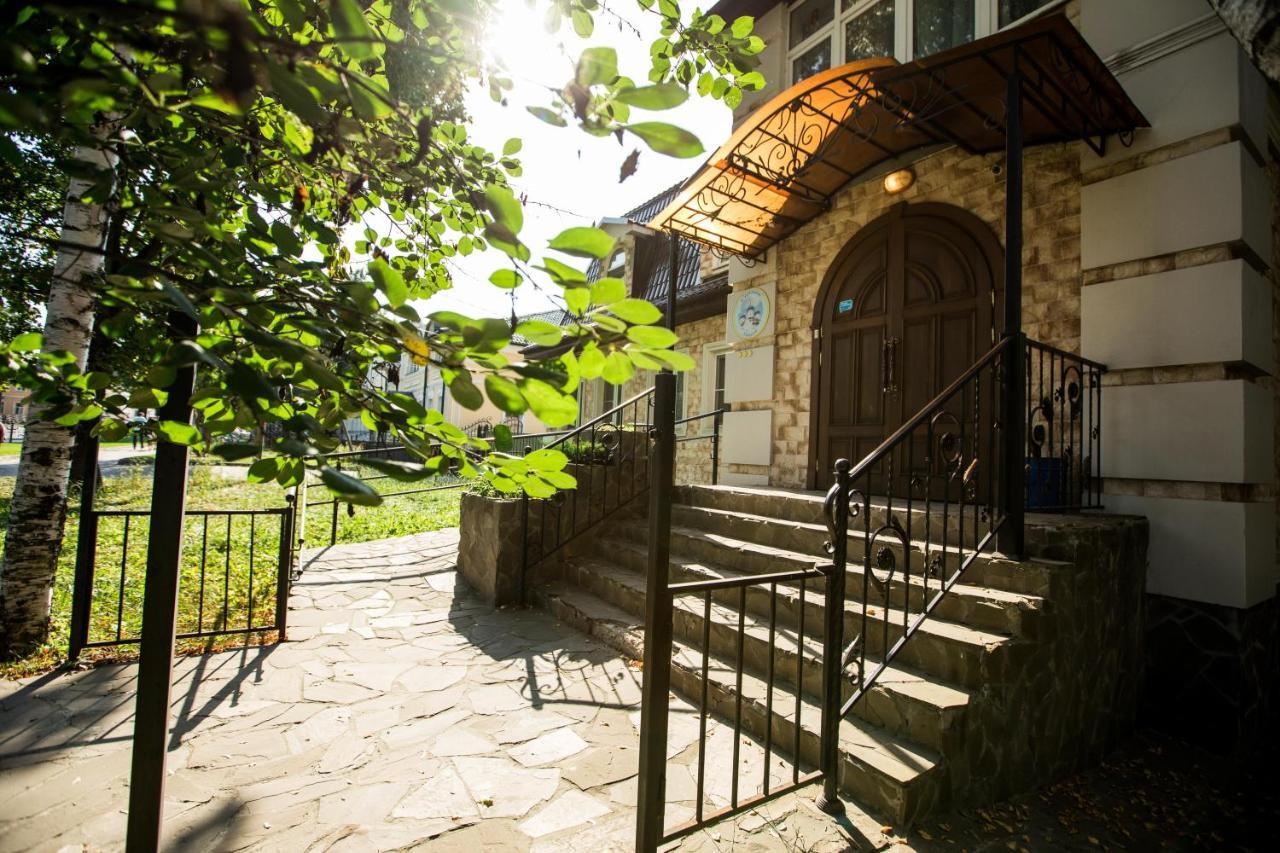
<point x="1155" y="257"/>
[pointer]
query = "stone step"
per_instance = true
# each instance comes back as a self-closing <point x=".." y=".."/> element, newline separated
<point x="949" y="650"/>
<point x="894" y="778"/>
<point x="987" y="609"/>
<point x="903" y="702"/>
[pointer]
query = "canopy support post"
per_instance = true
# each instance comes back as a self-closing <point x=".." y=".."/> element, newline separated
<point x="1011" y="537"/>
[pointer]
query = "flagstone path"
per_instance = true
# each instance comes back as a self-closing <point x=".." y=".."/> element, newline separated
<point x="402" y="713"/>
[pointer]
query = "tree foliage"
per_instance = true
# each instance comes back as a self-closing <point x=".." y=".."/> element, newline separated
<point x="293" y="176"/>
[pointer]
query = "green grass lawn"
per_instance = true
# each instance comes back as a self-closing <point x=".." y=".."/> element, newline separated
<point x="225" y="583"/>
<point x="9" y="448"/>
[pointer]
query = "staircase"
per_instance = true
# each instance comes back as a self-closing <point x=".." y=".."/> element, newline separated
<point x="1025" y="671"/>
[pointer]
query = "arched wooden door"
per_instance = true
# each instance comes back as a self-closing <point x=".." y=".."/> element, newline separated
<point x="906" y="307"/>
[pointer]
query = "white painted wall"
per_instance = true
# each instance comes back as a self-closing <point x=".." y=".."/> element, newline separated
<point x="1212" y="313"/>
<point x="1214" y="196"/>
<point x="1220" y="552"/>
<point x="1212" y="432"/>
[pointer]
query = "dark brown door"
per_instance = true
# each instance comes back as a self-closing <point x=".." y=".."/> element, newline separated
<point x="905" y="309"/>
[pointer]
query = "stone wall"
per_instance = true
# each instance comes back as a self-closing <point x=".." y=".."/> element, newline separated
<point x="1051" y="270"/>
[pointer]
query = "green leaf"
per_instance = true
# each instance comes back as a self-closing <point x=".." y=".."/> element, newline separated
<point x="597" y="65"/>
<point x="26" y="342"/>
<point x="502" y="438"/>
<point x="658" y="337"/>
<point x="636" y="311"/>
<point x="404" y="472"/>
<point x="294" y="94"/>
<point x="540" y="332"/>
<point x="547" y="459"/>
<point x="389" y="281"/>
<point x="618" y="368"/>
<point x="742" y="26"/>
<point x="505" y="208"/>
<point x="577" y="300"/>
<point x="351" y="489"/>
<point x="465" y="393"/>
<point x="591" y="361"/>
<point x="582" y="23"/>
<point x="667" y="138"/>
<point x="506" y="279"/>
<point x="663" y="96"/>
<point x="349" y="26"/>
<point x="608" y="290"/>
<point x="512" y="146"/>
<point x="235" y="450"/>
<point x="176" y="432"/>
<point x="293" y="14"/>
<point x="563" y="273"/>
<point x="583" y="242"/>
<point x="677" y="361"/>
<point x="285" y="239"/>
<point x="504" y="394"/>
<point x="549" y="116"/>
<point x="264" y="470"/>
<point x="548" y="404"/>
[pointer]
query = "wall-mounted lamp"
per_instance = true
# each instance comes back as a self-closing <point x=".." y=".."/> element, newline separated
<point x="896" y="182"/>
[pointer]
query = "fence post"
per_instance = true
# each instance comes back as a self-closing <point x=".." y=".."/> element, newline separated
<point x="715" y="447"/>
<point x="86" y="552"/>
<point x="655" y="689"/>
<point x="1011" y="536"/>
<point x="837" y="509"/>
<point x="159" y="614"/>
<point x="285" y="566"/>
<point x="333" y="531"/>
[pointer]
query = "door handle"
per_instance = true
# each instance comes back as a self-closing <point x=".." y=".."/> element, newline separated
<point x="889" y="365"/>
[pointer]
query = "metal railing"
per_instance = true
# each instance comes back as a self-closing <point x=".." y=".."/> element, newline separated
<point x="1063" y="429"/>
<point x="717" y="425"/>
<point x="350" y="460"/>
<point x="784" y="684"/>
<point x="235" y="583"/>
<point x="610" y="459"/>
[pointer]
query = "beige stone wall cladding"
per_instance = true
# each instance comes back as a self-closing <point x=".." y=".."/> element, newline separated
<point x="1051" y="268"/>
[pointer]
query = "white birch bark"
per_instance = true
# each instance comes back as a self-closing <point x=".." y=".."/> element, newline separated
<point x="38" y="510"/>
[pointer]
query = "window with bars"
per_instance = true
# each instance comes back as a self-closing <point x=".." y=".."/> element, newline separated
<point x="824" y="33"/>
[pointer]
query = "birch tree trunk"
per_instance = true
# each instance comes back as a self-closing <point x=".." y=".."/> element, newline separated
<point x="39" y="507"/>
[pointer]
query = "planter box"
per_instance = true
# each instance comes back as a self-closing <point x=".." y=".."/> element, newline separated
<point x="490" y="549"/>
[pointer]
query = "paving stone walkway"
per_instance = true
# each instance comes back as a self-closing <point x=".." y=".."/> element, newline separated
<point x="402" y="714"/>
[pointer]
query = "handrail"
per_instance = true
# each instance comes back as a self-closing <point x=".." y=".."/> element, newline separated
<point x="602" y="418"/>
<point x="701" y="416"/>
<point x="927" y="410"/>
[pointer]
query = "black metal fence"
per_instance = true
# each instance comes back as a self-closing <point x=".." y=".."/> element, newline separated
<point x="717" y="425"/>
<point x="234" y="578"/>
<point x="1063" y="429"/>
<point x="325" y="523"/>
<point x="610" y="458"/>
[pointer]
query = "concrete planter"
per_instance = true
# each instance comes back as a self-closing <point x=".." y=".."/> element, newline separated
<point x="490" y="549"/>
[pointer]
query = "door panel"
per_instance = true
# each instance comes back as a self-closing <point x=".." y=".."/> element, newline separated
<point x="904" y="313"/>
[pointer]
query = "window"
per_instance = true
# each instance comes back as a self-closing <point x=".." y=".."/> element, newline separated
<point x="869" y="33"/>
<point x="822" y="33"/>
<point x="618" y="264"/>
<point x="1016" y="10"/>
<point x="940" y="24"/>
<point x="680" y="410"/>
<point x="717" y="389"/>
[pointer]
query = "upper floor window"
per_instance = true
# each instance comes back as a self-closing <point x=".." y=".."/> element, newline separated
<point x="826" y="33"/>
<point x="618" y="263"/>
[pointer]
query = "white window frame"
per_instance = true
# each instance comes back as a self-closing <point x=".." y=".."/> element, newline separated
<point x="710" y="353"/>
<point x="985" y="18"/>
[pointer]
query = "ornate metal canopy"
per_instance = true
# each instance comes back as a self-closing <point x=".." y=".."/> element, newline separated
<point x="782" y="165"/>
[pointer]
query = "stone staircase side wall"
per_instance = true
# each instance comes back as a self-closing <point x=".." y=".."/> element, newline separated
<point x="1076" y="694"/>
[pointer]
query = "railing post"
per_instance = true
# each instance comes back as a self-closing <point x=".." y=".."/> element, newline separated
<point x="837" y="507"/>
<point x="333" y="530"/>
<point x="715" y="448"/>
<point x="657" y="624"/>
<point x="1012" y="494"/>
<point x="285" y="567"/>
<point x="159" y="614"/>
<point x="86" y="551"/>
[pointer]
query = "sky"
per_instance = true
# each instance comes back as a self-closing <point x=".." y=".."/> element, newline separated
<point x="570" y="178"/>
